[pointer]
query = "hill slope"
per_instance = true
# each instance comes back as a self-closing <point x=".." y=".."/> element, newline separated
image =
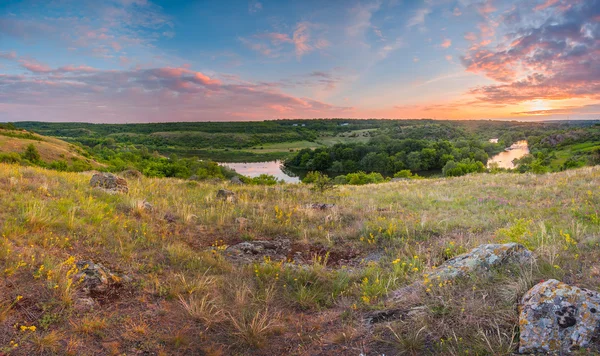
<point x="49" y="148"/>
<point x="177" y="290"/>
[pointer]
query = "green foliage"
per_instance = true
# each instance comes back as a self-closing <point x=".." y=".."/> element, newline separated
<point x="31" y="154"/>
<point x="361" y="178"/>
<point x="263" y="179"/>
<point x="405" y="173"/>
<point x="321" y="182"/>
<point x="466" y="166"/>
<point x="10" y="157"/>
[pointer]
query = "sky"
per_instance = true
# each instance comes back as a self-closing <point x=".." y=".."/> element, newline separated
<point x="124" y="61"/>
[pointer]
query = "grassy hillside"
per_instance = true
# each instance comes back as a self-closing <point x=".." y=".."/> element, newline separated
<point x="185" y="297"/>
<point x="49" y="148"/>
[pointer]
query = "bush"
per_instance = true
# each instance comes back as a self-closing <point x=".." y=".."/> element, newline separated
<point x="263" y="179"/>
<point x="361" y="178"/>
<point x="466" y="166"/>
<point x="11" y="157"/>
<point x="31" y="154"/>
<point x="405" y="173"/>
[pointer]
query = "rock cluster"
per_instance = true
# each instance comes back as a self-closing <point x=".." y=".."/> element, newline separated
<point x="109" y="182"/>
<point x="558" y="318"/>
<point x="320" y="206"/>
<point x="248" y="251"/>
<point x="94" y="278"/>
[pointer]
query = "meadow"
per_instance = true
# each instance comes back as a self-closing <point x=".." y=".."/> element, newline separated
<point x="185" y="295"/>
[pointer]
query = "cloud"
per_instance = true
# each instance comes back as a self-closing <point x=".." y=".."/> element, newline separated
<point x="446" y="43"/>
<point x="99" y="28"/>
<point x="34" y="66"/>
<point x="254" y="7"/>
<point x="556" y="58"/>
<point x="8" y="55"/>
<point x="75" y="93"/>
<point x="418" y="17"/>
<point x="275" y="44"/>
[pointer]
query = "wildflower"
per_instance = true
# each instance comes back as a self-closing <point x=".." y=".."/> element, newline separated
<point x="396" y="261"/>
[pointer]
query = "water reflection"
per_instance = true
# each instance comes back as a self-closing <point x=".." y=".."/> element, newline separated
<point x="505" y="159"/>
<point x="254" y="169"/>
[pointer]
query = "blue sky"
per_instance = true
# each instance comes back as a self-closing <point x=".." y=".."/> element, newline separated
<point x="142" y="60"/>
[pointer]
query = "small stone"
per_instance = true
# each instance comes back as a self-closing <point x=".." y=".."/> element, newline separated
<point x="558" y="318"/>
<point x="236" y="180"/>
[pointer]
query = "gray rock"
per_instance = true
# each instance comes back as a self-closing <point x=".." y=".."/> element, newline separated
<point x="558" y="318"/>
<point x="109" y="182"/>
<point x="94" y="278"/>
<point x="226" y="195"/>
<point x="479" y="260"/>
<point x="236" y="180"/>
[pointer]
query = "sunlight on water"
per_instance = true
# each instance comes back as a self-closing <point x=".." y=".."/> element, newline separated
<point x="504" y="159"/>
<point x="254" y="169"/>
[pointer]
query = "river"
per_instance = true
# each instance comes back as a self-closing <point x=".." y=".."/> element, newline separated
<point x="275" y="168"/>
<point x="505" y="159"/>
<point x="254" y="169"/>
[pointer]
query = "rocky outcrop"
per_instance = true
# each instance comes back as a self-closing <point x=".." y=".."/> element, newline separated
<point x="109" y="182"/>
<point x="249" y="251"/>
<point x="479" y="260"/>
<point x="558" y="318"/>
<point x="94" y="278"/>
<point x="226" y="195"/>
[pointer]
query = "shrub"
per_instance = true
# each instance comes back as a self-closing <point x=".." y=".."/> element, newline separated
<point x="11" y="157"/>
<point x="31" y="154"/>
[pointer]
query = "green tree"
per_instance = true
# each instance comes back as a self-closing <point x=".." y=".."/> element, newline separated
<point x="31" y="154"/>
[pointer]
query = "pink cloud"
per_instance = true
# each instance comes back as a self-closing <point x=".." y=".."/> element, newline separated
<point x="8" y="55"/>
<point x="155" y="94"/>
<point x="446" y="43"/>
<point x="34" y="66"/>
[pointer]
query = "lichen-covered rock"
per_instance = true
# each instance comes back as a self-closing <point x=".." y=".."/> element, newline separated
<point x="482" y="258"/>
<point x="479" y="260"/>
<point x="558" y="318"/>
<point x="109" y="183"/>
<point x="94" y="278"/>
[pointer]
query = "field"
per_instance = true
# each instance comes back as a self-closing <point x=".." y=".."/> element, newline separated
<point x="184" y="295"/>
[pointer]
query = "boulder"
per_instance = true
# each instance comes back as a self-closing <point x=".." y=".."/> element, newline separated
<point x="558" y="318"/>
<point x="236" y="180"/>
<point x="109" y="183"/>
<point x="226" y="195"/>
<point x="479" y="260"/>
<point x="94" y="278"/>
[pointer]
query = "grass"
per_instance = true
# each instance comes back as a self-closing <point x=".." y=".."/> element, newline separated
<point x="186" y="297"/>
<point x="50" y="149"/>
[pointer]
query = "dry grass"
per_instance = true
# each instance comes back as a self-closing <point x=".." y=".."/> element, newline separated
<point x="199" y="301"/>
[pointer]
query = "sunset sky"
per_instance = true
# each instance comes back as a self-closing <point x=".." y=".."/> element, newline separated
<point x="155" y="61"/>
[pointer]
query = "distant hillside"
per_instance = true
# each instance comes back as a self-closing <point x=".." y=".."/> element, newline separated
<point x="50" y="149"/>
